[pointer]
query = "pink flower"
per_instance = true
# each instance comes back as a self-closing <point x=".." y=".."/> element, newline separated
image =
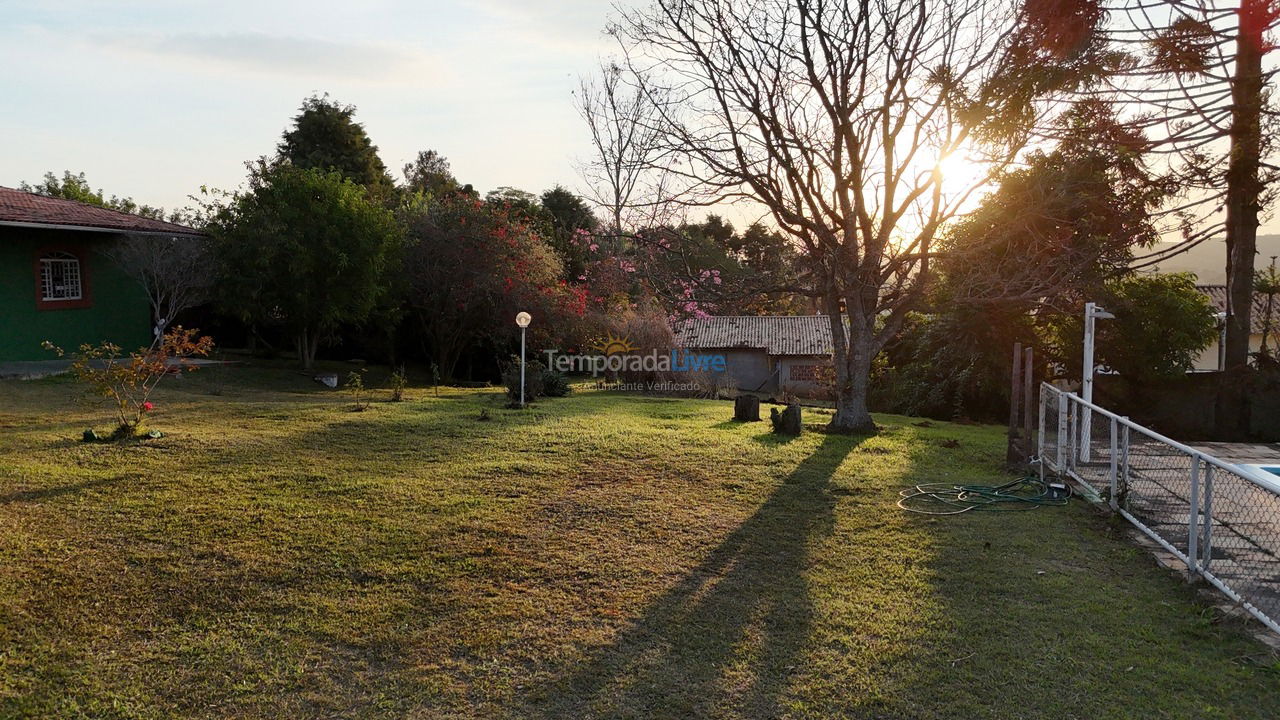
<point x="147" y="406"/>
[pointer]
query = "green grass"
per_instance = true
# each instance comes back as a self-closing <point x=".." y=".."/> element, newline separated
<point x="602" y="555"/>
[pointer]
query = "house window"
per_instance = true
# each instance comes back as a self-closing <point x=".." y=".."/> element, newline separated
<point x="804" y="373"/>
<point x="60" y="277"/>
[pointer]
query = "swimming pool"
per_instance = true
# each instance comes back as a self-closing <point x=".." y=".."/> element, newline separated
<point x="1268" y="476"/>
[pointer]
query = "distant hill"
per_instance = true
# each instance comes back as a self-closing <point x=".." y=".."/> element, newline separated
<point x="1208" y="260"/>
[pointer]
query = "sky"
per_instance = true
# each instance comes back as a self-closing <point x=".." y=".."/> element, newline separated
<point x="154" y="98"/>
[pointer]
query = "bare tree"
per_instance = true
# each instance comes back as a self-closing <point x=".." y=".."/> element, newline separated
<point x="624" y="122"/>
<point x="175" y="271"/>
<point x="837" y="118"/>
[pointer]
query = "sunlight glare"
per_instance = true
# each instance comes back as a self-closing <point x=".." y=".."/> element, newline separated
<point x="959" y="172"/>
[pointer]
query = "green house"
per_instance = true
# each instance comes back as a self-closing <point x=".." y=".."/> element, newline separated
<point x="56" y="283"/>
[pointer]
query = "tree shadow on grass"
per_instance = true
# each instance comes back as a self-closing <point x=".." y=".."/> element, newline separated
<point x="732" y="424"/>
<point x="38" y="494"/>
<point x="774" y="439"/>
<point x="730" y="633"/>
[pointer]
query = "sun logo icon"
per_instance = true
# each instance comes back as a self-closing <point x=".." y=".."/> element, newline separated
<point x="612" y="345"/>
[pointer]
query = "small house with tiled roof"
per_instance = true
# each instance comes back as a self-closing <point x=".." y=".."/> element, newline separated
<point x="57" y="284"/>
<point x="1209" y="358"/>
<point x="766" y="353"/>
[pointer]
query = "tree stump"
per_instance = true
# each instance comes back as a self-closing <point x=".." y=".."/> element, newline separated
<point x="786" y="422"/>
<point x="746" y="408"/>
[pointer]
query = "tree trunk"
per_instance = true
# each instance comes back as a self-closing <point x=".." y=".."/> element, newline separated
<point x="447" y="361"/>
<point x="852" y="357"/>
<point x="1243" y="189"/>
<point x="787" y="422"/>
<point x="308" y="345"/>
<point x="313" y="348"/>
<point x="746" y="408"/>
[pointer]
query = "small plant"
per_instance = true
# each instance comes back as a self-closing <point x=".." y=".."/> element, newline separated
<point x="398" y="383"/>
<point x="128" y="381"/>
<point x="726" y="387"/>
<point x="532" y="381"/>
<point x="484" y="415"/>
<point x="555" y="384"/>
<point x="355" y="386"/>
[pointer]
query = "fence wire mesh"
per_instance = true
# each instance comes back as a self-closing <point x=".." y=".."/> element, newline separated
<point x="1090" y="453"/>
<point x="1240" y="538"/>
<point x="1222" y="523"/>
<point x="1049" y="443"/>
<point x="1154" y="486"/>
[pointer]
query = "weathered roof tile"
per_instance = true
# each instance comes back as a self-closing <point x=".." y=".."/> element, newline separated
<point x="17" y="206"/>
<point x="775" y="334"/>
<point x="1257" y="315"/>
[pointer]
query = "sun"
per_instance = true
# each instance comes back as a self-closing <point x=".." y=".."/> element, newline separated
<point x="959" y="172"/>
<point x="614" y="345"/>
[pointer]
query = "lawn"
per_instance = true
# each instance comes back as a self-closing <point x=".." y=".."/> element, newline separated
<point x="602" y="555"/>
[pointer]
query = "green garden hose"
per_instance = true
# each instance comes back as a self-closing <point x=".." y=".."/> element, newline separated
<point x="1027" y="493"/>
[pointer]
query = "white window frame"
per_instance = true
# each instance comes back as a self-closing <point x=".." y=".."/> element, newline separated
<point x="72" y="275"/>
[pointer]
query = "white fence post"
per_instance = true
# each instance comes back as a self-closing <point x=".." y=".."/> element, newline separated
<point x="1059" y="454"/>
<point x="1207" y="517"/>
<point x="1040" y="435"/>
<point x="1115" y="466"/>
<point x="1193" y="523"/>
<point x="1123" y="483"/>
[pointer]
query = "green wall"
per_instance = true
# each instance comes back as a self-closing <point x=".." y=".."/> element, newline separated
<point x="118" y="309"/>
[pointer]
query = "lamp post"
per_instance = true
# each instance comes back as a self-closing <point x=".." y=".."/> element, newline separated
<point x="1091" y="313"/>
<point x="522" y="319"/>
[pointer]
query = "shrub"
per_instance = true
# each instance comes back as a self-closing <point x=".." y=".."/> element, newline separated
<point x="128" y="382"/>
<point x="532" y="384"/>
<point x="398" y="383"/>
<point x="646" y="329"/>
<point x="707" y="384"/>
<point x="554" y="384"/>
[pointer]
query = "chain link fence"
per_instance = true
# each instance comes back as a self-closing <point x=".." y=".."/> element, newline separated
<point x="1220" y="519"/>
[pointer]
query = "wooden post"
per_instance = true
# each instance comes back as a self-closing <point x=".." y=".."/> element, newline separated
<point x="1029" y="408"/>
<point x="1012" y="452"/>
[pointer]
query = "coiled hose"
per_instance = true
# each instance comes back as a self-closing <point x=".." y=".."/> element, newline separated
<point x="1026" y="493"/>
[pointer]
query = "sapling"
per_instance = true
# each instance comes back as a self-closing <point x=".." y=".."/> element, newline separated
<point x="129" y="380"/>
<point x="355" y="385"/>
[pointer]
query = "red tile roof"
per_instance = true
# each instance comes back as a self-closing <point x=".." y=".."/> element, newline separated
<point x="17" y="206"/>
